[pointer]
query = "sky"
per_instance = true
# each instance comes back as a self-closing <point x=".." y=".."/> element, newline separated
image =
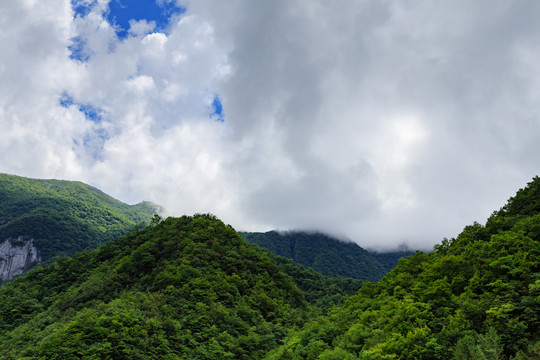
<point x="383" y="122"/>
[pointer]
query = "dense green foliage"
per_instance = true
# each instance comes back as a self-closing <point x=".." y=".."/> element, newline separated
<point x="192" y="288"/>
<point x="390" y="259"/>
<point x="328" y="255"/>
<point x="474" y="297"/>
<point x="186" y="288"/>
<point x="64" y="217"/>
<point x="321" y="291"/>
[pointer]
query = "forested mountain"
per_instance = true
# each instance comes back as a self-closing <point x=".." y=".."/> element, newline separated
<point x="474" y="297"/>
<point x="192" y="288"/>
<point x="328" y="255"/>
<point x="186" y="288"/>
<point x="322" y="291"/>
<point x="41" y="219"/>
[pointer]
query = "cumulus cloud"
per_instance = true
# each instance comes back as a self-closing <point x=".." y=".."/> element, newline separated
<point x="392" y="120"/>
<point x="383" y="122"/>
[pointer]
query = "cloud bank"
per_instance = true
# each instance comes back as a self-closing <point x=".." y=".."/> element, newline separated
<point x="383" y="122"/>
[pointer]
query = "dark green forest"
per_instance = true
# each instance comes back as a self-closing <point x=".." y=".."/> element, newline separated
<point x="328" y="255"/>
<point x="64" y="217"/>
<point x="184" y="288"/>
<point x="192" y="288"/>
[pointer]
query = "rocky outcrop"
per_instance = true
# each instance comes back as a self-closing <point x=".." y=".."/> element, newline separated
<point x="16" y="256"/>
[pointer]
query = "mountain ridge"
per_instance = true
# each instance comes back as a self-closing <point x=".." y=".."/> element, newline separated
<point x="59" y="218"/>
<point x="192" y="287"/>
<point x="326" y="254"/>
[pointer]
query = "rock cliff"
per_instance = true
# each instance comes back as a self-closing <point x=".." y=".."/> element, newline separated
<point x="16" y="256"/>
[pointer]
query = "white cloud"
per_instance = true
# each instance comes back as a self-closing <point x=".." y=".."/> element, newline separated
<point x="141" y="27"/>
<point x="422" y="102"/>
<point x="379" y="121"/>
<point x="141" y="85"/>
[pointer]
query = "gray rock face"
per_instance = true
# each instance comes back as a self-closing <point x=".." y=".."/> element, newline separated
<point x="16" y="255"/>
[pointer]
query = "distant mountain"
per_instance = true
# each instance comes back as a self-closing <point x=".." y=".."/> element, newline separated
<point x="390" y="259"/>
<point x="43" y="219"/>
<point x="327" y="255"/>
<point x="322" y="291"/>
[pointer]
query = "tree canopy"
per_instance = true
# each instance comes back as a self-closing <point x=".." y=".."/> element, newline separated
<point x="183" y="288"/>
<point x="476" y="296"/>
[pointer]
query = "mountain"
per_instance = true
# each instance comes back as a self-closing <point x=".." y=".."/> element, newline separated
<point x="476" y="296"/>
<point x="43" y="219"/>
<point x="185" y="288"/>
<point x="328" y="255"/>
<point x="322" y="291"/>
<point x="192" y="288"/>
<point x="390" y="259"/>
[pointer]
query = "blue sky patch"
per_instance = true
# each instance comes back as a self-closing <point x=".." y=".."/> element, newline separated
<point x="90" y="146"/>
<point x="94" y="142"/>
<point x="82" y="7"/>
<point x="65" y="100"/>
<point x="217" y="109"/>
<point x="78" y="50"/>
<point x="90" y="112"/>
<point x="121" y="11"/>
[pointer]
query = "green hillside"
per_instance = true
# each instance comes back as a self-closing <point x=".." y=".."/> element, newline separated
<point x="322" y="291"/>
<point x="192" y="288"/>
<point x="474" y="297"/>
<point x="64" y="217"/>
<point x="327" y="255"/>
<point x="186" y="288"/>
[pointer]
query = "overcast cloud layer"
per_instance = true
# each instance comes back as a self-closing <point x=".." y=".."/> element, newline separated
<point x="381" y="121"/>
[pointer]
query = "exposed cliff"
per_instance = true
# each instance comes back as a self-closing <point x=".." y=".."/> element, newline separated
<point x="62" y="218"/>
<point x="16" y="256"/>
